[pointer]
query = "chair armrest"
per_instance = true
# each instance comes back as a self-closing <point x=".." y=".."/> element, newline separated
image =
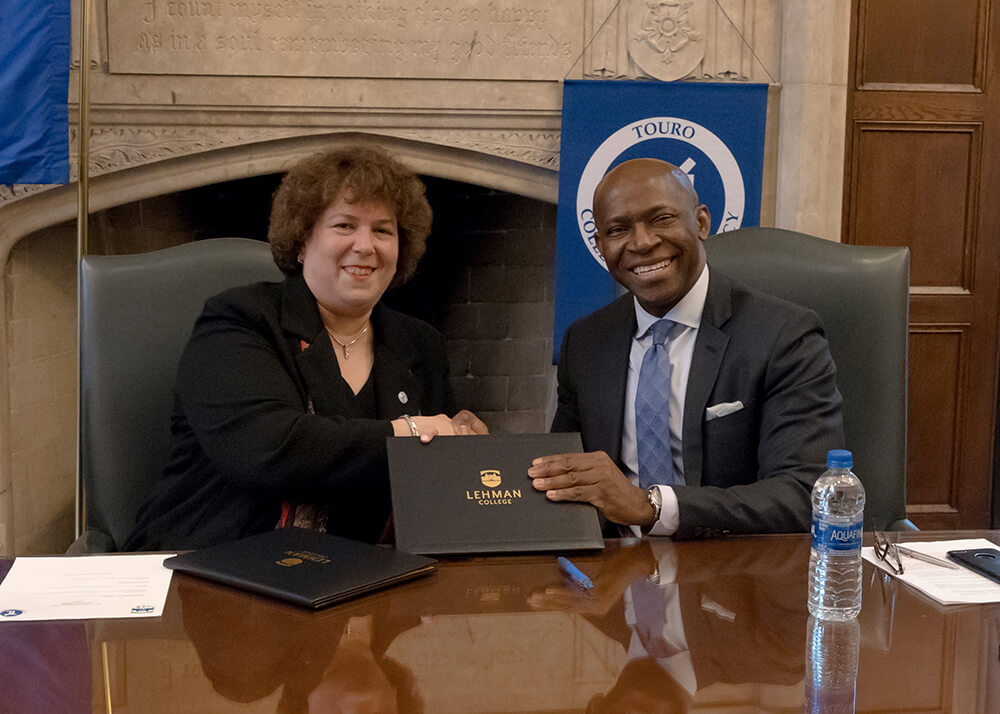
<point x="78" y="547"/>
<point x="903" y="524"/>
<point x="92" y="541"/>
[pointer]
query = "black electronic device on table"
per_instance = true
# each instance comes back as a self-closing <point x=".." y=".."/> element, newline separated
<point x="985" y="561"/>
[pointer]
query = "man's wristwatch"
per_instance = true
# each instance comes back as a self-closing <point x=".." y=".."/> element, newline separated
<point x="656" y="501"/>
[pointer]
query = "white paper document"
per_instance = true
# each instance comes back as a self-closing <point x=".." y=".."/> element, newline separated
<point x="947" y="586"/>
<point x="84" y="587"/>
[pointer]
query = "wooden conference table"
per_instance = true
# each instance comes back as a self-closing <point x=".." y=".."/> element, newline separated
<point x="509" y="634"/>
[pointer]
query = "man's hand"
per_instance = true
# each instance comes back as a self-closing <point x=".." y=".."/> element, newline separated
<point x="467" y="423"/>
<point x="592" y="477"/>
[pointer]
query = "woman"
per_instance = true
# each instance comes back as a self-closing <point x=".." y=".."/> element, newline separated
<point x="287" y="391"/>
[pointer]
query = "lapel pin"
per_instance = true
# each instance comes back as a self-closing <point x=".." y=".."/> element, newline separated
<point x="403" y="399"/>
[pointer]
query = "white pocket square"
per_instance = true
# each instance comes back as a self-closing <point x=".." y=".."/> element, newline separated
<point x="722" y="409"/>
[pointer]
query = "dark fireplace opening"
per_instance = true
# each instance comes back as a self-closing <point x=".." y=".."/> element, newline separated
<point x="486" y="281"/>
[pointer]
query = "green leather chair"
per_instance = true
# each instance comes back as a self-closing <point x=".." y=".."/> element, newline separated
<point x="862" y="295"/>
<point x="137" y="312"/>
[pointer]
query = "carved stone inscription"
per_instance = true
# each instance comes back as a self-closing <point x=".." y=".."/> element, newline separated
<point x="464" y="39"/>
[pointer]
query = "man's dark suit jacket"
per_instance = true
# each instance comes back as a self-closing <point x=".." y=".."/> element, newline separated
<point x="746" y="472"/>
<point x="258" y="363"/>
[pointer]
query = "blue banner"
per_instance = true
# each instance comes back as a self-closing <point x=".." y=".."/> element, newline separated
<point x="714" y="132"/>
<point x="34" y="82"/>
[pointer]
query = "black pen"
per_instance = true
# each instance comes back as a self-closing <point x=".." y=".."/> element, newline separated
<point x="576" y="575"/>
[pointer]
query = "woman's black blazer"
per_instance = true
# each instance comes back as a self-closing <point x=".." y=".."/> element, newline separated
<point x="262" y="416"/>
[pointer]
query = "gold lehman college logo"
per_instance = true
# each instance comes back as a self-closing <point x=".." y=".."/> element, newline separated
<point x="491" y="495"/>
<point x="297" y="557"/>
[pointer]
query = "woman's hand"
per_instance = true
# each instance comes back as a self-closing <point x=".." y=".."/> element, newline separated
<point x="464" y="423"/>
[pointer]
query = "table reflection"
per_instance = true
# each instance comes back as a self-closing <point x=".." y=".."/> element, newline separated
<point x="45" y="666"/>
<point x="694" y="617"/>
<point x="321" y="662"/>
<point x="695" y="626"/>
<point x="514" y="635"/>
<point x="832" y="650"/>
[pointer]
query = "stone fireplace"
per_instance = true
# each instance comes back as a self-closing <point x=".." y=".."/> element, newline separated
<point x="194" y="114"/>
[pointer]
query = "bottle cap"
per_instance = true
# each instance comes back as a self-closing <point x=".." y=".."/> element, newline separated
<point x="839" y="459"/>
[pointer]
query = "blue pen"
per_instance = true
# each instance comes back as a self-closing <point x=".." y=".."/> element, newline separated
<point x="575" y="574"/>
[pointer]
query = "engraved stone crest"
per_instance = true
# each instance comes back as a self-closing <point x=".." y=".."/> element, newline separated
<point x="666" y="38"/>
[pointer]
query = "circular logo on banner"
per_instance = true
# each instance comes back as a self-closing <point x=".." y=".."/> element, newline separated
<point x="660" y="128"/>
<point x="11" y="613"/>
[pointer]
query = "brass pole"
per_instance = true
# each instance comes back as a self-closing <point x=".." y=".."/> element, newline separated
<point x="84" y="132"/>
<point x="82" y="219"/>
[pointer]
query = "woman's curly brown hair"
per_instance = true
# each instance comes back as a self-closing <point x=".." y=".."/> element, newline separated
<point x="371" y="175"/>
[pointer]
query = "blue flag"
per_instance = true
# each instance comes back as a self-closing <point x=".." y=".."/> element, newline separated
<point x="714" y="132"/>
<point x="34" y="82"/>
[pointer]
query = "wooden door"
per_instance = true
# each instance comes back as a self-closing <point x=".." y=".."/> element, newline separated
<point x="923" y="170"/>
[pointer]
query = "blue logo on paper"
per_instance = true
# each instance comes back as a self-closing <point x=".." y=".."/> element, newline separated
<point x="11" y="613"/>
<point x="139" y="609"/>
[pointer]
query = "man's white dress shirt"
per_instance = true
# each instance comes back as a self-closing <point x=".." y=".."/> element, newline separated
<point x="687" y="314"/>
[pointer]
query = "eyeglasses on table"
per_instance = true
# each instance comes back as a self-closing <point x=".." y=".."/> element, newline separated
<point x="886" y="551"/>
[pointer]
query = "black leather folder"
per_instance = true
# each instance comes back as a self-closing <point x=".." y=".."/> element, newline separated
<point x="302" y="566"/>
<point x="472" y="494"/>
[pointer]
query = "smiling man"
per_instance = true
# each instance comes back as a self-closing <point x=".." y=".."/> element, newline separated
<point x="705" y="407"/>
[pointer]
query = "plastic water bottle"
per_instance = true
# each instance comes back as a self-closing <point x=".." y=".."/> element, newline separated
<point x="832" y="650"/>
<point x="838" y="502"/>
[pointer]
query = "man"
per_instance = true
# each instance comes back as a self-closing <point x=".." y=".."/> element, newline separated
<point x="728" y="427"/>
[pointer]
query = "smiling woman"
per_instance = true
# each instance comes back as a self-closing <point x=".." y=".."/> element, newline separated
<point x="286" y="391"/>
<point x="354" y="222"/>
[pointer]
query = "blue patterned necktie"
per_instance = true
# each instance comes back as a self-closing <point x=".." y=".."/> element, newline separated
<point x="652" y="410"/>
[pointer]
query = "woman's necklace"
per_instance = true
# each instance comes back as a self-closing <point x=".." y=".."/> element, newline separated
<point x="346" y="345"/>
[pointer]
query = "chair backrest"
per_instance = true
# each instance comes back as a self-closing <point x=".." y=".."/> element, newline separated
<point x="862" y="295"/>
<point x="137" y="312"/>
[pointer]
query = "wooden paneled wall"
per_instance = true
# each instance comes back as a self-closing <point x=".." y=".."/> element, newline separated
<point x="923" y="170"/>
